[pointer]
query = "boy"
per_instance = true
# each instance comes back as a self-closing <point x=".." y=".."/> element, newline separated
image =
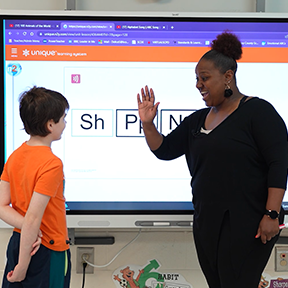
<point x="32" y="181"/>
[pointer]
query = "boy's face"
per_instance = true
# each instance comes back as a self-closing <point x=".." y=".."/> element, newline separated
<point x="58" y="128"/>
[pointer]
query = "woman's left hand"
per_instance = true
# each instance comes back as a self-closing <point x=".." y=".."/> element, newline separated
<point x="268" y="228"/>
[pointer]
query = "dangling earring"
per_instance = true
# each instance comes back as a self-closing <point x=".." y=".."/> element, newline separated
<point x="228" y="92"/>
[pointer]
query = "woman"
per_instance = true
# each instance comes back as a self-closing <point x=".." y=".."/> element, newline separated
<point x="236" y="151"/>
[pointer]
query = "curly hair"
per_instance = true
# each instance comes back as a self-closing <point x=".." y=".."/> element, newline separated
<point x="226" y="49"/>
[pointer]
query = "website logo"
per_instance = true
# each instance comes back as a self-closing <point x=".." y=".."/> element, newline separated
<point x="26" y="52"/>
<point x="45" y="53"/>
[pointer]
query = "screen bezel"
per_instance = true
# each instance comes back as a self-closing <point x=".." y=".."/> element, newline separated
<point x="161" y="214"/>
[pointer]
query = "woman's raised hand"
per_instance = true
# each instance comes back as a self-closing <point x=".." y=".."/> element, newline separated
<point x="146" y="107"/>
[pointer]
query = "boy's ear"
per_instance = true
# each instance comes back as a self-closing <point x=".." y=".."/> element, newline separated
<point x="50" y="125"/>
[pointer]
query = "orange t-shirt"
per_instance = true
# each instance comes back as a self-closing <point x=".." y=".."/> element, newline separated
<point x="36" y="168"/>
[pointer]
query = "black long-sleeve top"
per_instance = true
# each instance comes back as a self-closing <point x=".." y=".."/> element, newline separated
<point x="231" y="168"/>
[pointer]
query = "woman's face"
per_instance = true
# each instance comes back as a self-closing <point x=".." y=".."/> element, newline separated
<point x="210" y="82"/>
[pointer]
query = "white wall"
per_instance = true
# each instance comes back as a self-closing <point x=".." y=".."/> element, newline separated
<point x="136" y="5"/>
<point x="169" y="5"/>
<point x="276" y="6"/>
<point x="33" y="4"/>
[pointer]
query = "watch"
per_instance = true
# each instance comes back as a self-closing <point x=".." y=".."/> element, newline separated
<point x="273" y="214"/>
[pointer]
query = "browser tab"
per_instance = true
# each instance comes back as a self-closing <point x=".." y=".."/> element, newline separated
<point x="87" y="26"/>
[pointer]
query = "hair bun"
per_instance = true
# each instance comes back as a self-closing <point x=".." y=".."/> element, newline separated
<point x="228" y="44"/>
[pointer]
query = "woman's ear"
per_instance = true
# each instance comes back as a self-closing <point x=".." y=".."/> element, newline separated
<point x="229" y="75"/>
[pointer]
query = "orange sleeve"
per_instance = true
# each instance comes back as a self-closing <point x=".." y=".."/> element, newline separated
<point x="50" y="178"/>
<point x="4" y="175"/>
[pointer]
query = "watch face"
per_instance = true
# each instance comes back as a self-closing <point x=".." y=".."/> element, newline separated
<point x="272" y="214"/>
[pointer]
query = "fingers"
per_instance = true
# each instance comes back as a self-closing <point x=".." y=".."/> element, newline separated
<point x="36" y="244"/>
<point x="33" y="252"/>
<point x="265" y="238"/>
<point x="138" y="99"/>
<point x="146" y="99"/>
<point x="9" y="276"/>
<point x="152" y="97"/>
<point x="147" y="89"/>
<point x="146" y="94"/>
<point x="156" y="105"/>
<point x="143" y="97"/>
<point x="35" y="249"/>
